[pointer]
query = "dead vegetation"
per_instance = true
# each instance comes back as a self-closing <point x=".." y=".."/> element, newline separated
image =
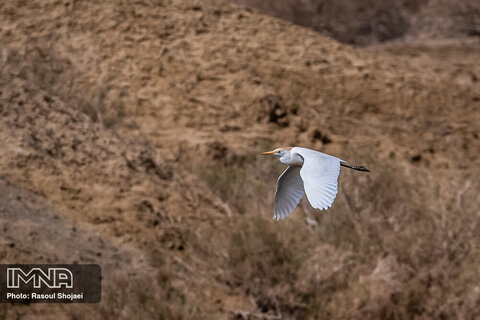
<point x="146" y="127"/>
<point x="376" y="21"/>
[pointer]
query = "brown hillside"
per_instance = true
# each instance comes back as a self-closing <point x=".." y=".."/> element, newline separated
<point x="130" y="137"/>
<point x="376" y="21"/>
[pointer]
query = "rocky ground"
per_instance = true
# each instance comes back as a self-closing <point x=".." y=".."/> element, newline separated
<point x="130" y="137"/>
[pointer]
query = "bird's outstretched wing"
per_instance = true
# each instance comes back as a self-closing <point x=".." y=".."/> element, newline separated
<point x="320" y="177"/>
<point x="289" y="192"/>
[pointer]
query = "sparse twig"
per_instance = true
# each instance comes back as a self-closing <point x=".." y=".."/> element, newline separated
<point x="225" y="207"/>
<point x="311" y="222"/>
<point x="462" y="191"/>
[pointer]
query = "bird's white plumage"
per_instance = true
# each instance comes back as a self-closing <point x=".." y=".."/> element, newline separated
<point x="289" y="192"/>
<point x="320" y="177"/>
<point x="317" y="178"/>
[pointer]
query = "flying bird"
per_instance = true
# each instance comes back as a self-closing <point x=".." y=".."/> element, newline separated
<point x="309" y="172"/>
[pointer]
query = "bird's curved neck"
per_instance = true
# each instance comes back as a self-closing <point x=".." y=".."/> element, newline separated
<point x="292" y="159"/>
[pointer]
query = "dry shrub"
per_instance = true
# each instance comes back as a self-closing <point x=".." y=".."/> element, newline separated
<point x="167" y="303"/>
<point x="54" y="72"/>
<point x="356" y="22"/>
<point x="394" y="245"/>
<point x="374" y="21"/>
<point x="450" y="18"/>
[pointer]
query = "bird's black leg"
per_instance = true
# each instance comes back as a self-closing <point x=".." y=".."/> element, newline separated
<point x="358" y="168"/>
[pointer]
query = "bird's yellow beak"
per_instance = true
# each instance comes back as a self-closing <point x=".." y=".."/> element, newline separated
<point x="270" y="152"/>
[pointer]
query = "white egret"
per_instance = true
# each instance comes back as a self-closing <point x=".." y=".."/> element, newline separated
<point x="311" y="172"/>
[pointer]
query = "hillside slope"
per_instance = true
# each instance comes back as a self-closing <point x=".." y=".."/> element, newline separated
<point x="141" y="122"/>
<point x="378" y="21"/>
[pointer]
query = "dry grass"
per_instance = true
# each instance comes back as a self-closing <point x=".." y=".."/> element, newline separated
<point x="376" y="21"/>
<point x="400" y="242"/>
<point x="382" y="251"/>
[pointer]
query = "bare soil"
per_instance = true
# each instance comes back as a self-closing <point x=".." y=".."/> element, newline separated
<point x="130" y="135"/>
